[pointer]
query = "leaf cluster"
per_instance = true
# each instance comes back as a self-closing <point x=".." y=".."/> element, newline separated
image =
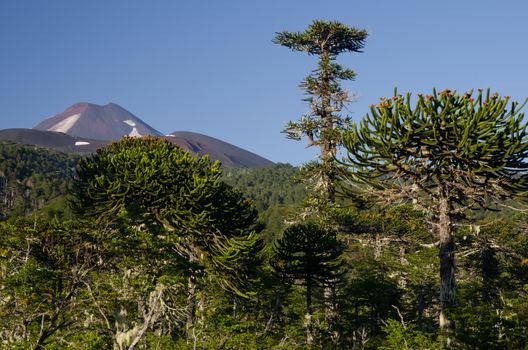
<point x="323" y="36"/>
<point x="308" y="252"/>
<point x="152" y="186"/>
<point x="474" y="147"/>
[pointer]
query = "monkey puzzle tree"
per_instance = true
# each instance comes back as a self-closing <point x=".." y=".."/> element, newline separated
<point x="447" y="155"/>
<point x="310" y="255"/>
<point x="193" y="218"/>
<point x="322" y="124"/>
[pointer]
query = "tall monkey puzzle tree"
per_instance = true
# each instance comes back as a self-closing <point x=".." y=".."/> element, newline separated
<point x="322" y="124"/>
<point x="447" y="155"/>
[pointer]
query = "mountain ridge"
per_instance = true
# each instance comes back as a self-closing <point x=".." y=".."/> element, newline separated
<point x="217" y="149"/>
<point x="91" y="121"/>
<point x="83" y="127"/>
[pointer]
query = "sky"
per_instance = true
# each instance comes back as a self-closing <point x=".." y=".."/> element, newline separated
<point x="211" y="67"/>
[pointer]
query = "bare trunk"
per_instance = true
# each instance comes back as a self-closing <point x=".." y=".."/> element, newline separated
<point x="420" y="309"/>
<point x="447" y="273"/>
<point x="235" y="306"/>
<point x="201" y="310"/>
<point x="328" y="151"/>
<point x="490" y="274"/>
<point x="377" y="246"/>
<point x="151" y="317"/>
<point x="274" y="311"/>
<point x="191" y="305"/>
<point x="402" y="281"/>
<point x="327" y="147"/>
<point x="309" y="315"/>
<point x="330" y="294"/>
<point x="191" y="295"/>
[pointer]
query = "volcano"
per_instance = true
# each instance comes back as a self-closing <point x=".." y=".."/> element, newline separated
<point x="84" y="127"/>
<point x="90" y="121"/>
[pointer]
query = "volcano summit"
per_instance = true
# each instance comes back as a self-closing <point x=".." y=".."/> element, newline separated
<point x="107" y="123"/>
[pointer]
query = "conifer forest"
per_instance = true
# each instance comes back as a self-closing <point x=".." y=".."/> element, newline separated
<point x="409" y="230"/>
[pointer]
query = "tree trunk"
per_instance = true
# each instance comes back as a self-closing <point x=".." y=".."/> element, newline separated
<point x="201" y="305"/>
<point x="191" y="305"/>
<point x="274" y="311"/>
<point x="151" y="317"/>
<point x="447" y="272"/>
<point x="378" y="246"/>
<point x="191" y="295"/>
<point x="330" y="294"/>
<point x="420" y="309"/>
<point x="308" y="317"/>
<point x="490" y="274"/>
<point x="327" y="147"/>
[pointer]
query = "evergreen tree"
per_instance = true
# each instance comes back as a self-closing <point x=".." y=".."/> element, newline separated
<point x="310" y="255"/>
<point x="448" y="154"/>
<point x="322" y="125"/>
<point x="153" y="186"/>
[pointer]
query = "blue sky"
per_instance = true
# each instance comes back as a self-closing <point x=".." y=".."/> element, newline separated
<point x="210" y="66"/>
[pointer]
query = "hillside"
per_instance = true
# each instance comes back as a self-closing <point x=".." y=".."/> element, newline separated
<point x="54" y="140"/>
<point x="33" y="180"/>
<point x="230" y="155"/>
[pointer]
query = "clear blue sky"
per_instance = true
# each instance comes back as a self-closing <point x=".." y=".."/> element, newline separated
<point x="210" y="66"/>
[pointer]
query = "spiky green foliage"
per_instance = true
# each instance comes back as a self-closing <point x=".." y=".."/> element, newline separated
<point x="308" y="252"/>
<point x="322" y="37"/>
<point x="153" y="185"/>
<point x="406" y="337"/>
<point x="322" y="125"/>
<point x="469" y="148"/>
<point x="310" y="255"/>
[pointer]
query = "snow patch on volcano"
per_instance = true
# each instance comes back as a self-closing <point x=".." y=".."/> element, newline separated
<point x="134" y="132"/>
<point x="66" y="124"/>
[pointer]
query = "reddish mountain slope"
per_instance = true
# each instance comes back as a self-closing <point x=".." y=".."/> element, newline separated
<point x="91" y="121"/>
<point x="226" y="153"/>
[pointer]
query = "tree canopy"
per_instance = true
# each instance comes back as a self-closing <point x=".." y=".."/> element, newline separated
<point x="322" y="125"/>
<point x="151" y="185"/>
<point x="469" y="148"/>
